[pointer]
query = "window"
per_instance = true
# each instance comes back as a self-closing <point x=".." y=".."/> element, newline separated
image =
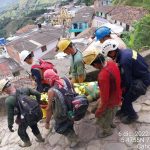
<point x="127" y="27"/>
<point x="80" y="25"/>
<point x="75" y="26"/>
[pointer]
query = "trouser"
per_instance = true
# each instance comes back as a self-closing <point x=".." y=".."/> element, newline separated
<point x="127" y="107"/>
<point x="66" y="128"/>
<point x="129" y="97"/>
<point x="22" y="131"/>
<point x="106" y="120"/>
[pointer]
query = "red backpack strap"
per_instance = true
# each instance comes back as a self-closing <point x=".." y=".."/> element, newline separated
<point x="36" y="66"/>
<point x="41" y="61"/>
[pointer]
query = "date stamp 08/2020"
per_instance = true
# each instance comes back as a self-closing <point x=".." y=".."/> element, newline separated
<point x="141" y="138"/>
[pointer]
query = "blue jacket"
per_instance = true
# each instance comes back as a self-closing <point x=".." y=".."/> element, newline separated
<point x="38" y="79"/>
<point x="132" y="66"/>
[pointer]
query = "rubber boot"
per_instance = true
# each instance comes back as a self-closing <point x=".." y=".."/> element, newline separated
<point x="39" y="138"/>
<point x="129" y="120"/>
<point x="25" y="144"/>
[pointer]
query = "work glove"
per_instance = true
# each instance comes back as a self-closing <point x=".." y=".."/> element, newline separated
<point x="11" y="128"/>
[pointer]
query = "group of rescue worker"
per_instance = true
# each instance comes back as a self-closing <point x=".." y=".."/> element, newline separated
<point x="123" y="77"/>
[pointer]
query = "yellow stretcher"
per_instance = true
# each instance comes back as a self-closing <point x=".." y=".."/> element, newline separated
<point x="89" y="89"/>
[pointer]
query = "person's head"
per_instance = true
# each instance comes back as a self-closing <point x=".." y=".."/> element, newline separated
<point x="26" y="56"/>
<point x="102" y="34"/>
<point x="6" y="87"/>
<point x="51" y="76"/>
<point x="65" y="45"/>
<point x="110" y="48"/>
<point x="94" y="58"/>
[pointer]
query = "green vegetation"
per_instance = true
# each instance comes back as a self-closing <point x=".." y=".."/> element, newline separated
<point x="21" y="14"/>
<point x="140" y="3"/>
<point x="88" y="2"/>
<point x="11" y="25"/>
<point x="139" y="38"/>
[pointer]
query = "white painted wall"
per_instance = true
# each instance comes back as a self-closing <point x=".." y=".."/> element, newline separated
<point x="99" y="21"/>
<point x="38" y="52"/>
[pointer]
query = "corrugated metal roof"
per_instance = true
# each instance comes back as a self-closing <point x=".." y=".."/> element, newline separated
<point x="8" y="65"/>
<point x="84" y="15"/>
<point x="45" y="36"/>
<point x="126" y="14"/>
<point x="26" y="29"/>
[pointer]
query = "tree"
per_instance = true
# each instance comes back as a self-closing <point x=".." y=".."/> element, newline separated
<point x="140" y="3"/>
<point x="141" y="33"/>
<point x="88" y="2"/>
<point x="139" y="38"/>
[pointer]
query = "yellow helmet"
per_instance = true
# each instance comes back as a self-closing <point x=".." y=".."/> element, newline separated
<point x="63" y="44"/>
<point x="3" y="82"/>
<point x="90" y="55"/>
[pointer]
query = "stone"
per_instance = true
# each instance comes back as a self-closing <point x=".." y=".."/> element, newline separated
<point x="94" y="145"/>
<point x="62" y="141"/>
<point x="54" y="139"/>
<point x="14" y="147"/>
<point x="85" y="130"/>
<point x="5" y="148"/>
<point x="91" y="116"/>
<point x="126" y="135"/>
<point x="2" y="134"/>
<point x="66" y="141"/>
<point x="40" y="146"/>
<point x="47" y="147"/>
<point x="45" y="133"/>
<point x="143" y="130"/>
<point x="5" y="139"/>
<point x="137" y="107"/>
<point x="147" y="102"/>
<point x="14" y="137"/>
<point x="57" y="148"/>
<point x="81" y="148"/>
<point x="145" y="108"/>
<point x="144" y="117"/>
<point x="115" y="146"/>
<point x="68" y="148"/>
<point x="144" y="144"/>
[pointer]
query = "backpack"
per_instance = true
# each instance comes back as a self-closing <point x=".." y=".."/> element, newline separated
<point x="80" y="106"/>
<point x="29" y="108"/>
<point x="69" y="104"/>
<point x="43" y="66"/>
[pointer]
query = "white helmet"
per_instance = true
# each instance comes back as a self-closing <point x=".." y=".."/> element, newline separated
<point x="109" y="45"/>
<point x="24" y="54"/>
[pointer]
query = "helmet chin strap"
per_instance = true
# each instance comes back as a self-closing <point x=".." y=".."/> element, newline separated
<point x="115" y="57"/>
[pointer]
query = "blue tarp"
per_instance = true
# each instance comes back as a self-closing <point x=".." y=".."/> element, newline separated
<point x="2" y="41"/>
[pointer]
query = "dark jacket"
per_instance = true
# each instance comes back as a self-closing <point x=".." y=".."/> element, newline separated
<point x="41" y="86"/>
<point x="132" y="66"/>
<point x="10" y="103"/>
